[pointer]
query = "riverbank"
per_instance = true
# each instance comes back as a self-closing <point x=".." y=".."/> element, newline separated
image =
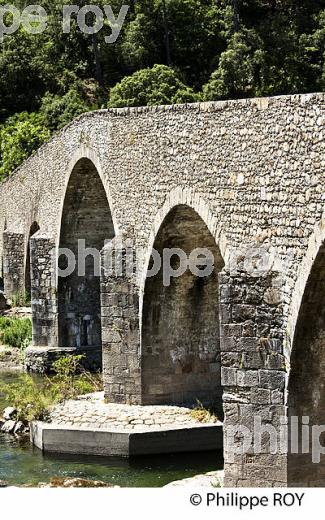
<point x="21" y="464"/>
<point x="12" y="358"/>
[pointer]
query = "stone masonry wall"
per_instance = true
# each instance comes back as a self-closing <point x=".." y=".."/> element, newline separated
<point x="254" y="171"/>
<point x="253" y="373"/>
<point x="14" y="263"/>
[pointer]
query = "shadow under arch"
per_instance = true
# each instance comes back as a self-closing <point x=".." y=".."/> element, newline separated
<point x="187" y="197"/>
<point x="86" y="224"/>
<point x="306" y="386"/>
<point x="32" y="230"/>
<point x="180" y="333"/>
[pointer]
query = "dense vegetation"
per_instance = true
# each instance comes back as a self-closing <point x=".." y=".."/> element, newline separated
<point x="168" y="51"/>
<point x="33" y="399"/>
<point x="15" y="332"/>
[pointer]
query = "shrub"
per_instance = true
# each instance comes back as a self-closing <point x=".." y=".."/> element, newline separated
<point x="201" y="414"/>
<point x="71" y="380"/>
<point x="33" y="400"/>
<point x="29" y="398"/>
<point x="15" y="332"/>
<point x="157" y="86"/>
<point x="58" y="111"/>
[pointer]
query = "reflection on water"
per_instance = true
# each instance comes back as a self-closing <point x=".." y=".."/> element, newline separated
<point x="21" y="463"/>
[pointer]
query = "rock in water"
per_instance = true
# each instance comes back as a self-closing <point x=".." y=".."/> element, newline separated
<point x="72" y="482"/>
<point x="19" y="428"/>
<point x="9" y="413"/>
<point x="8" y="427"/>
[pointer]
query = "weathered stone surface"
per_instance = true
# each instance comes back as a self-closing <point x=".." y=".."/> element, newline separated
<point x="253" y="172"/>
<point x="92" y="411"/>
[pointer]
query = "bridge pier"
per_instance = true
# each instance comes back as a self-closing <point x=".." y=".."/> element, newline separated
<point x="120" y="325"/>
<point x="253" y="379"/>
<point x="14" y="263"/>
<point x="46" y="348"/>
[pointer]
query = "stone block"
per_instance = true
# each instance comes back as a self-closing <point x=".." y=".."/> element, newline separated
<point x="247" y="378"/>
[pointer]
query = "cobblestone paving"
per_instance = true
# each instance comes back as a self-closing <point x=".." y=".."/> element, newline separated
<point x="93" y="412"/>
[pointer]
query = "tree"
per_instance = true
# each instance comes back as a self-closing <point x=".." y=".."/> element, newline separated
<point x="157" y="86"/>
<point x="240" y="69"/>
<point x="58" y="111"/>
<point x="20" y="136"/>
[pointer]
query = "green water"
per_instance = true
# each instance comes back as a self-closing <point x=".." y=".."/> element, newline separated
<point x="21" y="463"/>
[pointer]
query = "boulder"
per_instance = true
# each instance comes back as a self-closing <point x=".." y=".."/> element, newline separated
<point x="19" y="428"/>
<point x="8" y="427"/>
<point x="9" y="413"/>
<point x="211" y="479"/>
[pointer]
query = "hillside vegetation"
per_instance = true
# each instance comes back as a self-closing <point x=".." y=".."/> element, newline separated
<point x="168" y="51"/>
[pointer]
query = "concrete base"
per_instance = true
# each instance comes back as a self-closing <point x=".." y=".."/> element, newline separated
<point x="86" y="441"/>
<point x="40" y="359"/>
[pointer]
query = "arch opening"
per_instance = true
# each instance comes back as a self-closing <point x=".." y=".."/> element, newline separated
<point x="85" y="226"/>
<point x="306" y="389"/>
<point x="28" y="285"/>
<point x="180" y="322"/>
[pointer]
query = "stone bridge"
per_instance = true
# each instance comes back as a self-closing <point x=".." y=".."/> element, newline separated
<point x="244" y="179"/>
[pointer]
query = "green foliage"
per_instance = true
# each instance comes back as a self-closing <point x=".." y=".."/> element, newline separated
<point x="20" y="136"/>
<point x="227" y="49"/>
<point x="29" y="398"/>
<point x="20" y="299"/>
<point x="58" y="111"/>
<point x="240" y="69"/>
<point x="157" y="86"/>
<point x="66" y="385"/>
<point x="33" y="400"/>
<point x="15" y="332"/>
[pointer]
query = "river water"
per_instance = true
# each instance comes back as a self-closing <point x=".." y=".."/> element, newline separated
<point x="21" y="463"/>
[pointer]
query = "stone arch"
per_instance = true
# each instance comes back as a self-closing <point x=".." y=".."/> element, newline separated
<point x="85" y="152"/>
<point x="195" y="201"/>
<point x="32" y="230"/>
<point x="180" y="334"/>
<point x="87" y="217"/>
<point x="306" y="387"/>
<point x="315" y="241"/>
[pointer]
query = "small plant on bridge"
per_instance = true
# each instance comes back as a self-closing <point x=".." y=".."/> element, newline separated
<point x="202" y="414"/>
<point x="21" y="299"/>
